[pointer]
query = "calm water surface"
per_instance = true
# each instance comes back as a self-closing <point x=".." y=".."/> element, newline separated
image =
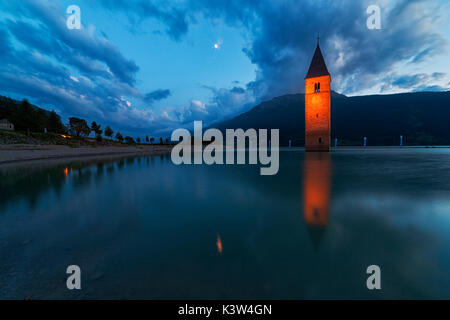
<point x="144" y="228"/>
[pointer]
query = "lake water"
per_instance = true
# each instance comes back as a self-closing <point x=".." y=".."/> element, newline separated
<point x="144" y="228"/>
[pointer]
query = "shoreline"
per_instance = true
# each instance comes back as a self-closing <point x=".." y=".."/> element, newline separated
<point x="20" y="154"/>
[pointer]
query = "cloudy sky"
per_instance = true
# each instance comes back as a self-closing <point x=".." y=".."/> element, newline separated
<point x="148" y="67"/>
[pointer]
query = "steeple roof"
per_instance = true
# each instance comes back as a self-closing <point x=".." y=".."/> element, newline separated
<point x="317" y="67"/>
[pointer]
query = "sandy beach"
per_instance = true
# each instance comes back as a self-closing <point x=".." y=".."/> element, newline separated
<point x="11" y="154"/>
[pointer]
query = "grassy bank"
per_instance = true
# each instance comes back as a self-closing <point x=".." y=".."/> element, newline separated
<point x="19" y="137"/>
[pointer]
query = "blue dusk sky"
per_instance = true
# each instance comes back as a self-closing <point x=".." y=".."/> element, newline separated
<point x="148" y="67"/>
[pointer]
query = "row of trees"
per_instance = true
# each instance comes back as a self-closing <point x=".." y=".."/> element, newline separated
<point x="26" y="117"/>
<point x="79" y="127"/>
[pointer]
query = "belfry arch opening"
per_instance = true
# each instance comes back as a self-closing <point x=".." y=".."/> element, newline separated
<point x="317" y="87"/>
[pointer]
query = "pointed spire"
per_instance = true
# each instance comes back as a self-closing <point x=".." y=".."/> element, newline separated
<point x="318" y="38"/>
<point x="317" y="67"/>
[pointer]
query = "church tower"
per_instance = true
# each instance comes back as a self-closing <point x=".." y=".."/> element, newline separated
<point x="317" y="104"/>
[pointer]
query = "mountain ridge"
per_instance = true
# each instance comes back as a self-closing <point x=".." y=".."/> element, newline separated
<point x="423" y="118"/>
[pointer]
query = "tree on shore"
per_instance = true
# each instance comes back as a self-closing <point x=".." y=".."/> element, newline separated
<point x="79" y="127"/>
<point x="54" y="123"/>
<point x="96" y="128"/>
<point x="152" y="140"/>
<point x="119" y="137"/>
<point x="129" y="140"/>
<point x="25" y="117"/>
<point x="160" y="140"/>
<point x="109" y="132"/>
<point x="167" y="140"/>
<point x="138" y="140"/>
<point x="147" y="139"/>
<point x="40" y="120"/>
<point x="7" y="109"/>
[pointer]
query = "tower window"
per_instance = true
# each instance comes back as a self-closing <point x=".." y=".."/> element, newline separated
<point x="317" y="87"/>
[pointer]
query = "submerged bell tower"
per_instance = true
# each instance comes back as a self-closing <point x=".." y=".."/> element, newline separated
<point x="317" y="104"/>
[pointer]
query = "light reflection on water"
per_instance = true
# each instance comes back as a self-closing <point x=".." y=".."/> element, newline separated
<point x="141" y="227"/>
<point x="316" y="193"/>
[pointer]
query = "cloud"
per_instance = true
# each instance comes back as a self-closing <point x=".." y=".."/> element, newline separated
<point x="282" y="36"/>
<point x="408" y="81"/>
<point x="438" y="75"/>
<point x="157" y="95"/>
<point x="224" y="104"/>
<point x="432" y="88"/>
<point x="80" y="48"/>
<point x="75" y="72"/>
<point x="4" y="42"/>
<point x="175" y="19"/>
<point x="354" y="54"/>
<point x="237" y="90"/>
<point x="413" y="82"/>
<point x="41" y="58"/>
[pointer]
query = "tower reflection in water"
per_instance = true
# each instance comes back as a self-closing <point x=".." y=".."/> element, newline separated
<point x="316" y="194"/>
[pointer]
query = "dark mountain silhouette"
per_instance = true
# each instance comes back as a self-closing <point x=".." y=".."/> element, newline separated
<point x="423" y="118"/>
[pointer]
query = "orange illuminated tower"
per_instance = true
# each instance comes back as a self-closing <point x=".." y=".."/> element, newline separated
<point x="317" y="104"/>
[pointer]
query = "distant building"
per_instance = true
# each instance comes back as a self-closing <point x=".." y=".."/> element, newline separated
<point x="317" y="104"/>
<point x="6" y="125"/>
